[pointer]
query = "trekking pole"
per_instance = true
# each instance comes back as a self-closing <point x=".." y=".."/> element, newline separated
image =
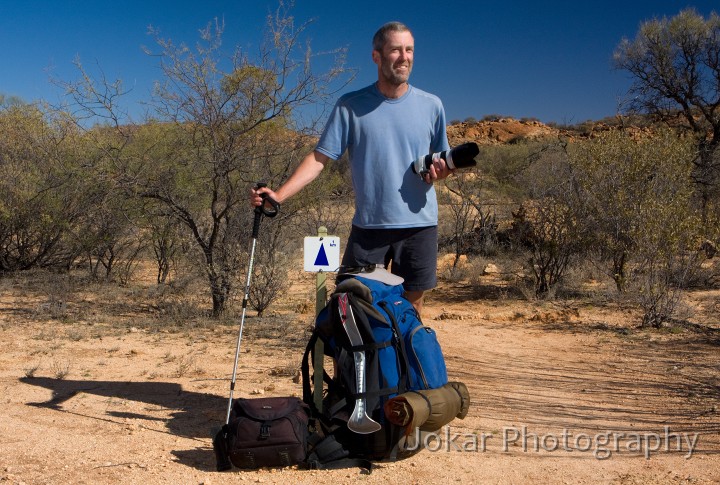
<point x="260" y="211"/>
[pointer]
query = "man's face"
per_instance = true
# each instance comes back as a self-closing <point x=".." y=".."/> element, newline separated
<point x="396" y="59"/>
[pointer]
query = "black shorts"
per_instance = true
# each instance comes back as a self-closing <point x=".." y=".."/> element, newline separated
<point x="410" y="253"/>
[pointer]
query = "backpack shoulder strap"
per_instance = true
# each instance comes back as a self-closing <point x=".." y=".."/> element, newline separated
<point x="305" y="370"/>
<point x="402" y="355"/>
<point x="308" y="358"/>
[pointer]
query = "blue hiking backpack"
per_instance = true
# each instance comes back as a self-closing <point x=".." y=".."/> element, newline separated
<point x="380" y="349"/>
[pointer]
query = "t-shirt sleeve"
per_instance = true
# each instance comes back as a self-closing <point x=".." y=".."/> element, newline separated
<point x="335" y="137"/>
<point x="439" y="139"/>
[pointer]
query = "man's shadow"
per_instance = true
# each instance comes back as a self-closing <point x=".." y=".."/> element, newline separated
<point x="194" y="415"/>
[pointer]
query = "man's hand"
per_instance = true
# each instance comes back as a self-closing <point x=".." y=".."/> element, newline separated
<point x="256" y="200"/>
<point x="437" y="171"/>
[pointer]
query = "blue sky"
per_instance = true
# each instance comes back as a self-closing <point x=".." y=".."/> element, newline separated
<point x="547" y="60"/>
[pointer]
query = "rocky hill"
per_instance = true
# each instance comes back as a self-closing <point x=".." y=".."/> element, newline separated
<point x="501" y="131"/>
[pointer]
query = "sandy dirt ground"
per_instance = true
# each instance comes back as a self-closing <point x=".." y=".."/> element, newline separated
<point x="99" y="386"/>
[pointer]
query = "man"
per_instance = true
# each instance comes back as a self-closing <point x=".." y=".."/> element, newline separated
<point x="385" y="127"/>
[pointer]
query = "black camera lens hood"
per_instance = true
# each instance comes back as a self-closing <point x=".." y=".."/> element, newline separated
<point x="462" y="156"/>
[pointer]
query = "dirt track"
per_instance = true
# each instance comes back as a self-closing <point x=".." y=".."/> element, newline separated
<point x="88" y="399"/>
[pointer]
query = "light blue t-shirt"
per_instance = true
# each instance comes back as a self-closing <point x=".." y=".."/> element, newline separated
<point x="383" y="137"/>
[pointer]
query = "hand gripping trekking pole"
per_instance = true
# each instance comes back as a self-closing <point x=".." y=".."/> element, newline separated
<point x="268" y="208"/>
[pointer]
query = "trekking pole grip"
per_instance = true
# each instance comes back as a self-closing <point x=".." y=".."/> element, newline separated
<point x="269" y="207"/>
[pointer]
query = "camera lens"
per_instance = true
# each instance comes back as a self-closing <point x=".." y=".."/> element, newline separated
<point x="462" y="156"/>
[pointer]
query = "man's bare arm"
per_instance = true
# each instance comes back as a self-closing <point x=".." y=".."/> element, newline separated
<point x="306" y="172"/>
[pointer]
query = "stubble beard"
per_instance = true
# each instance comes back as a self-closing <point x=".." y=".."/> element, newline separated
<point x="394" y="76"/>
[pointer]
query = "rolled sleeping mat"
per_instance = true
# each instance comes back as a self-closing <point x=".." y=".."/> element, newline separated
<point x="429" y="409"/>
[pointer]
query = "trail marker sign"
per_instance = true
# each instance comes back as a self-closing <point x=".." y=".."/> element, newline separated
<point x="322" y="254"/>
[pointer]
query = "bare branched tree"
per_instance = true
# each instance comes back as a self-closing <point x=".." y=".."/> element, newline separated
<point x="217" y="124"/>
<point x="474" y="229"/>
<point x="549" y="224"/>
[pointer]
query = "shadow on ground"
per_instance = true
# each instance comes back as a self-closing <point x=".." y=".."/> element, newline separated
<point x="193" y="415"/>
